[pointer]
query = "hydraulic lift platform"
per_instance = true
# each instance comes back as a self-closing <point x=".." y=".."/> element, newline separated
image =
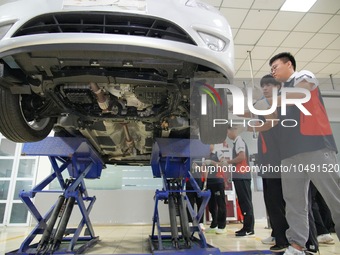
<point x="81" y="161"/>
<point x="171" y="160"/>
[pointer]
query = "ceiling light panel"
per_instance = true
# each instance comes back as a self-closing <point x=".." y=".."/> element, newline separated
<point x="297" y="6"/>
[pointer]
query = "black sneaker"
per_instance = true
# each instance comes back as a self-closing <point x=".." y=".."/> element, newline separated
<point x="278" y="248"/>
<point x="238" y="231"/>
<point x="245" y="233"/>
<point x="312" y="252"/>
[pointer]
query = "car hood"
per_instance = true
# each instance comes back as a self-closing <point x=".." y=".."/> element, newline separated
<point x="193" y="17"/>
<point x="185" y="13"/>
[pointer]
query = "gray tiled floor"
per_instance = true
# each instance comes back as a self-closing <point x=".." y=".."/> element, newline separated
<point x="133" y="239"/>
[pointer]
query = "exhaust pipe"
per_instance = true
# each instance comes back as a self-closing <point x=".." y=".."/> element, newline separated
<point x="128" y="140"/>
<point x="102" y="99"/>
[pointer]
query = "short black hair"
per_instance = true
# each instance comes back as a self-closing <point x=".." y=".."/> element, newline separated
<point x="269" y="79"/>
<point x="285" y="57"/>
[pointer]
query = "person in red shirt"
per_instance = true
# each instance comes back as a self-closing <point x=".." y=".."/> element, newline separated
<point x="307" y="150"/>
<point x="269" y="160"/>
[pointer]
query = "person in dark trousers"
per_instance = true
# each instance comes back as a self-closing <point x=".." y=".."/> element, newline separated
<point x="305" y="146"/>
<point x="324" y="235"/>
<point x="217" y="204"/>
<point x="324" y="211"/>
<point x="193" y="197"/>
<point x="269" y="162"/>
<point x="242" y="181"/>
<point x="269" y="156"/>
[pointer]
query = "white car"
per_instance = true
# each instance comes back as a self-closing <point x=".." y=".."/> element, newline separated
<point x="120" y="73"/>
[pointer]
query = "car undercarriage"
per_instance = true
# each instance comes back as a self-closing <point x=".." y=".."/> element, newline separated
<point x="119" y="80"/>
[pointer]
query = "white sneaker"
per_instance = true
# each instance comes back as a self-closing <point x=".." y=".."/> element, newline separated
<point x="325" y="239"/>
<point x="220" y="231"/>
<point x="202" y="226"/>
<point x="292" y="251"/>
<point x="211" y="230"/>
<point x="269" y="240"/>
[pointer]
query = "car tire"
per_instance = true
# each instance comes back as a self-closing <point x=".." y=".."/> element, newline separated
<point x="13" y="124"/>
<point x="208" y="133"/>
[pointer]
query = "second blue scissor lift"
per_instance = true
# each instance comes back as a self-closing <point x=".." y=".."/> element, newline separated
<point x="171" y="160"/>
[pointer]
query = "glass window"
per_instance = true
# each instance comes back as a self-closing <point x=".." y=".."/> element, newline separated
<point x="6" y="168"/>
<point x="125" y="177"/>
<point x="110" y="179"/>
<point x="2" y="212"/>
<point x="21" y="185"/>
<point x="120" y="177"/>
<point x="7" y="147"/>
<point x="19" y="213"/>
<point x="55" y="185"/>
<point x="139" y="178"/>
<point x="26" y="168"/>
<point x="4" y="185"/>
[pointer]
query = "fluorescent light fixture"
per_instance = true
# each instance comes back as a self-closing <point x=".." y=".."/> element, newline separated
<point x="297" y="5"/>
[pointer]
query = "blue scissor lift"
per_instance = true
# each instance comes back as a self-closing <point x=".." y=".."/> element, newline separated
<point x="81" y="161"/>
<point x="171" y="160"/>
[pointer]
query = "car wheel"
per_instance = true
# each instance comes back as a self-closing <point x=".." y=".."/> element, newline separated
<point x="13" y="123"/>
<point x="208" y="133"/>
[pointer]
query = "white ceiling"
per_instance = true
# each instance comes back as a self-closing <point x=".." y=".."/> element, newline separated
<point x="260" y="31"/>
